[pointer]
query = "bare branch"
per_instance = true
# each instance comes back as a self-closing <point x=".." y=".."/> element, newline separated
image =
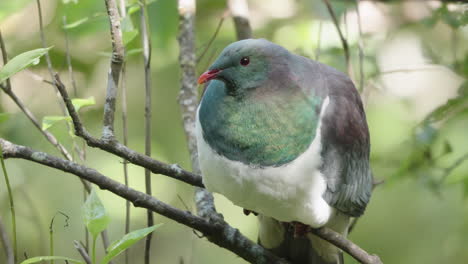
<point x="188" y="99"/>
<point x="146" y="42"/>
<point x="208" y="45"/>
<point x="9" y="253"/>
<point x="114" y="147"/>
<point x="340" y="33"/>
<point x="7" y="89"/>
<point x="82" y="251"/>
<point x="123" y="83"/>
<point x="361" y="54"/>
<point x="115" y="69"/>
<point x="240" y="13"/>
<point x="215" y="229"/>
<point x="69" y="63"/>
<point x="352" y="249"/>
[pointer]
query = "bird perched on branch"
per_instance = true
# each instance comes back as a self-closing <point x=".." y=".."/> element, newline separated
<point x="285" y="137"/>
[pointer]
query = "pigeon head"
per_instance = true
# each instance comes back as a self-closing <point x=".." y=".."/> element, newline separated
<point x="246" y="64"/>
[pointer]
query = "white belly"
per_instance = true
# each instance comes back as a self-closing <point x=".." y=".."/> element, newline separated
<point x="291" y="192"/>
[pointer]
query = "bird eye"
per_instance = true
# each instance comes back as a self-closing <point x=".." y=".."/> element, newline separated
<point x="245" y="61"/>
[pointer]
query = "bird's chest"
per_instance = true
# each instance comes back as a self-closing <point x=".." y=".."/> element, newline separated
<point x="284" y="192"/>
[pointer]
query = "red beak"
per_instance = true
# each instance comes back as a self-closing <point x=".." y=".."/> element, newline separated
<point x="208" y="75"/>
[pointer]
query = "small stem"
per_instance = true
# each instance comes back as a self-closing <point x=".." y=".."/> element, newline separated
<point x="12" y="205"/>
<point x="94" y="249"/>
<point x="146" y="42"/>
<point x="123" y="83"/>
<point x="51" y="244"/>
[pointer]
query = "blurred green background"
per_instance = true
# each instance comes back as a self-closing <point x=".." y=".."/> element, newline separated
<point x="415" y="60"/>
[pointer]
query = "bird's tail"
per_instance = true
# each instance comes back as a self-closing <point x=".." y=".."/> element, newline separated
<point x="309" y="249"/>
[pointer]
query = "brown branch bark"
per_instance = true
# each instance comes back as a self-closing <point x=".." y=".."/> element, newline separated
<point x="352" y="249"/>
<point x="188" y="99"/>
<point x="146" y="42"/>
<point x="340" y="33"/>
<point x="115" y="69"/>
<point x="82" y="252"/>
<point x="240" y="14"/>
<point x="116" y="148"/>
<point x="123" y="84"/>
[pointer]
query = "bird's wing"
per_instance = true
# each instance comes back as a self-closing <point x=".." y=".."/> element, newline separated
<point x="345" y="146"/>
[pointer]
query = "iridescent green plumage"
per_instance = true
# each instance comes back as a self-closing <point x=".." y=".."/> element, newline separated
<point x="259" y="127"/>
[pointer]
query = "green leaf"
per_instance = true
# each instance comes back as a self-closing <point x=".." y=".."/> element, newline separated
<point x="128" y="36"/>
<point x="79" y="103"/>
<point x="76" y="23"/>
<point x="132" y="8"/>
<point x="49" y="121"/>
<point x="452" y="106"/>
<point x="127" y="241"/>
<point x="44" y="258"/>
<point x="95" y="216"/>
<point x="20" y="62"/>
<point x="4" y="117"/>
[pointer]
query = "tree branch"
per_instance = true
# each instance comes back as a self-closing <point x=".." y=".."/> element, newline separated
<point x="123" y="84"/>
<point x="82" y="252"/>
<point x="188" y="100"/>
<point x="115" y="69"/>
<point x="215" y="229"/>
<point x="240" y="14"/>
<point x="146" y="43"/>
<point x="340" y="33"/>
<point x="116" y="148"/>
<point x="349" y="247"/>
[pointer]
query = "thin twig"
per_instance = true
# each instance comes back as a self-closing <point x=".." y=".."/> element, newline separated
<point x="352" y="249"/>
<point x="344" y="43"/>
<point x="9" y="252"/>
<point x="146" y="42"/>
<point x="240" y="14"/>
<point x="69" y="63"/>
<point x="4" y="58"/>
<point x="82" y="251"/>
<point x="47" y="56"/>
<point x="215" y="34"/>
<point x="115" y="69"/>
<point x="7" y="89"/>
<point x="123" y="84"/>
<point x="361" y="55"/>
<point x="12" y="205"/>
<point x="116" y="148"/>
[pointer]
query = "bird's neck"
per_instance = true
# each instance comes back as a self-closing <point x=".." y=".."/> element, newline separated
<point x="263" y="128"/>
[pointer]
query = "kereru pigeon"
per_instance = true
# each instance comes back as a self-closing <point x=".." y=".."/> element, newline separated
<point x="285" y="137"/>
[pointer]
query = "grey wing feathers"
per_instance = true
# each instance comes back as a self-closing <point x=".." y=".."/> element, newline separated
<point x="345" y="146"/>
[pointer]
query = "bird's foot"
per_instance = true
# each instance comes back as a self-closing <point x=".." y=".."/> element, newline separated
<point x="247" y="212"/>
<point x="300" y="229"/>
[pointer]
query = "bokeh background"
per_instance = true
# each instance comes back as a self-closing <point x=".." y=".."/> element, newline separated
<point x="415" y="60"/>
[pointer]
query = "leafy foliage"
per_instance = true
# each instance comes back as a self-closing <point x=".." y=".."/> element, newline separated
<point x="95" y="216"/>
<point x="127" y="241"/>
<point x="21" y="62"/>
<point x="45" y="258"/>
